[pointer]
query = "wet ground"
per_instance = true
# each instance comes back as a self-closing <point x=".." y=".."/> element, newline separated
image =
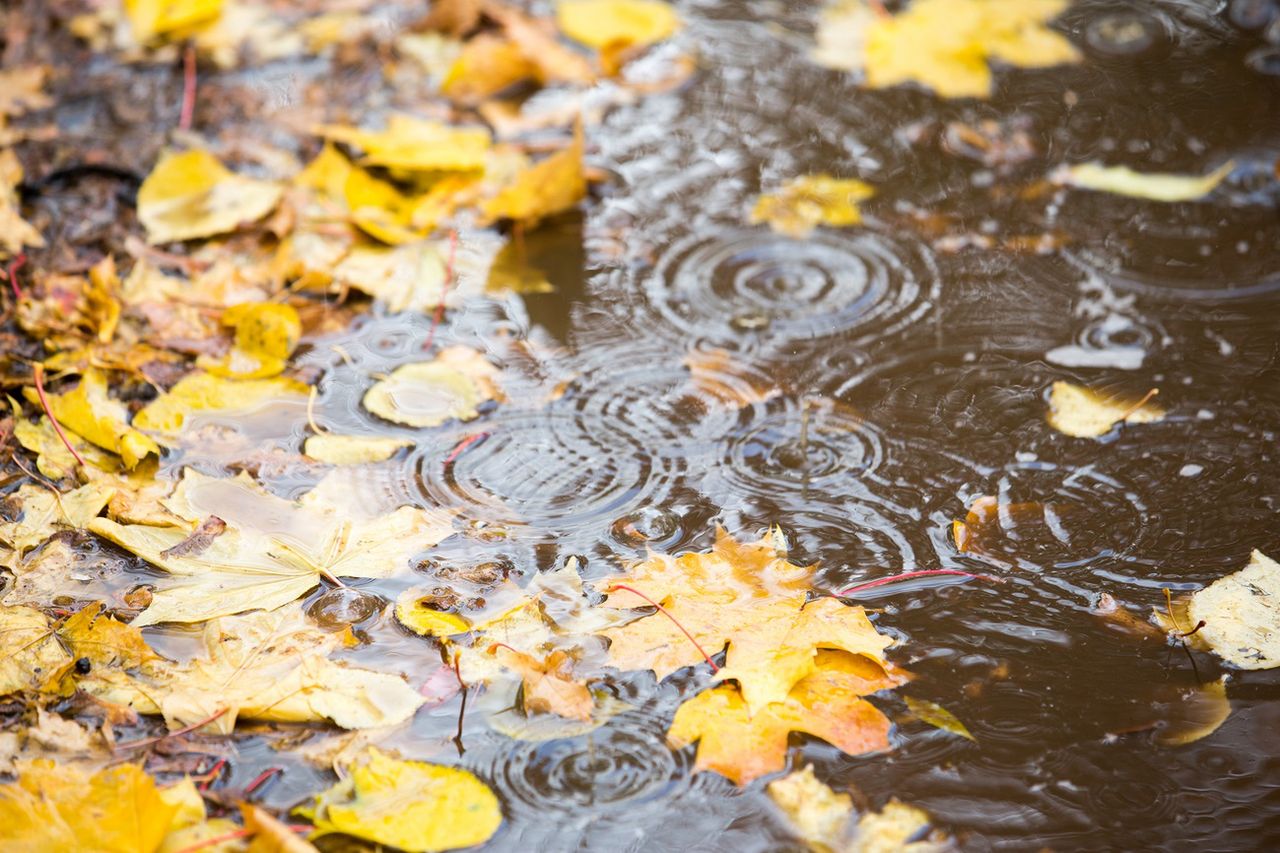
<point x="894" y="373"/>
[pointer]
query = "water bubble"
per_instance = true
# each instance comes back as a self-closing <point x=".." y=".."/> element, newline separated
<point x="340" y="608"/>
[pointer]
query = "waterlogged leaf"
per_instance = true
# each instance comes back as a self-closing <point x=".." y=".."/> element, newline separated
<point x="944" y="45"/>
<point x="266" y="335"/>
<point x="1196" y="713"/>
<point x="53" y="808"/>
<point x="264" y="666"/>
<point x="743" y="745"/>
<point x="29" y="651"/>
<point x="416" y="145"/>
<point x="806" y="202"/>
<point x="816" y="813"/>
<point x="549" y="686"/>
<point x="427" y="394"/>
<point x="608" y="23"/>
<point x="105" y="641"/>
<point x="405" y="278"/>
<point x="89" y="412"/>
<point x="894" y="827"/>
<point x="152" y="19"/>
<point x="937" y="716"/>
<point x="191" y="195"/>
<point x="203" y="392"/>
<point x="546" y="188"/>
<point x="416" y="611"/>
<point x="1083" y="413"/>
<point x="44" y="513"/>
<point x="745" y="596"/>
<point x="1155" y="186"/>
<point x="1241" y="615"/>
<point x="409" y="805"/>
<point x="353" y="449"/>
<point x="511" y="272"/>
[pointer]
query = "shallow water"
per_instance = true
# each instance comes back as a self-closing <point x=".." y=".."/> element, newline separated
<point x="890" y="377"/>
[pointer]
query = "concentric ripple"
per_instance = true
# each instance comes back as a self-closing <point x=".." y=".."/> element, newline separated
<point x="741" y="285"/>
<point x="551" y="470"/>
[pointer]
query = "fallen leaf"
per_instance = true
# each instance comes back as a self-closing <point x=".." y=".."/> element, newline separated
<point x="29" y="650"/>
<point x="22" y="90"/>
<point x="944" y="45"/>
<point x="827" y="704"/>
<point x="271" y="835"/>
<point x="1196" y="713"/>
<point x="816" y="813"/>
<point x="549" y="687"/>
<point x="353" y="449"/>
<point x="270" y="666"/>
<point x="406" y="278"/>
<point x="90" y="412"/>
<point x="1083" y="413"/>
<point x="105" y="641"/>
<point x="1154" y="186"/>
<point x="607" y="23"/>
<point x="416" y="145"/>
<point x="937" y="716"/>
<point x="426" y="394"/>
<point x="44" y="513"/>
<point x="806" y="202"/>
<point x="416" y="610"/>
<point x="554" y="62"/>
<point x="892" y="829"/>
<point x="745" y="596"/>
<point x="266" y="335"/>
<point x="546" y="188"/>
<point x="456" y="18"/>
<point x="191" y="195"/>
<point x="152" y="19"/>
<point x="410" y="805"/>
<point x="487" y="65"/>
<point x="203" y="392"/>
<point x="15" y="232"/>
<point x="1241" y="615"/>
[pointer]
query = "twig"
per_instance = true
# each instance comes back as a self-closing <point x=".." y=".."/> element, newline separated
<point x="188" y="88"/>
<point x="182" y="731"/>
<point x="908" y="575"/>
<point x="675" y="621"/>
<point x="38" y="371"/>
<point x="444" y="289"/>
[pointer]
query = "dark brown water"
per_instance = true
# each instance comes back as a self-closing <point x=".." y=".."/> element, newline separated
<point x="918" y="376"/>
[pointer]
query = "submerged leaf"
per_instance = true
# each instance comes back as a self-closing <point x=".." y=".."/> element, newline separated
<point x="937" y="716"/>
<point x="409" y="805"/>
<point x="353" y="449"/>
<point x="1196" y="714"/>
<point x="427" y="394"/>
<point x="1083" y="413"/>
<point x="1155" y="186"/>
<point x="803" y="203"/>
<point x="192" y="195"/>
<point x="817" y="814"/>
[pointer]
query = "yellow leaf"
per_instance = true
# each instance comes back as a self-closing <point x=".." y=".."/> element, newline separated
<point x="375" y="206"/>
<point x="817" y="814"/>
<point x="1082" y="413"/>
<point x="191" y="195"/>
<point x="512" y="273"/>
<point x="90" y="412"/>
<point x="426" y="394"/>
<point x="1196" y="713"/>
<point x="487" y="64"/>
<point x="1241" y="615"/>
<point x="1155" y="186"/>
<point x="415" y="612"/>
<point x="893" y="828"/>
<point x="15" y="232"/>
<point x="271" y="835"/>
<point x="52" y="809"/>
<point x="409" y="805"/>
<point x="937" y="716"/>
<point x="270" y="666"/>
<point x="406" y="278"/>
<point x="22" y="90"/>
<point x="744" y="746"/>
<point x="29" y="651"/>
<point x="89" y="633"/>
<point x="416" y="145"/>
<point x="550" y="186"/>
<point x="44" y="513"/>
<point x="201" y="392"/>
<point x="555" y="63"/>
<point x="102" y="308"/>
<point x="805" y="202"/>
<point x="266" y="335"/>
<point x="150" y="19"/>
<point x="548" y="685"/>
<point x="605" y="23"/>
<point x="352" y="449"/>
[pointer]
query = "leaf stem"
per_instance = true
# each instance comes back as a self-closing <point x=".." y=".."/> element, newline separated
<point x="1128" y="413"/>
<point x="182" y="731"/>
<point x="188" y="88"/>
<point x="38" y="372"/>
<point x="908" y="575"/>
<point x="261" y="780"/>
<point x="673" y="619"/>
<point x="16" y="264"/>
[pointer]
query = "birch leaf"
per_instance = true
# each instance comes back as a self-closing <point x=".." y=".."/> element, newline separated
<point x="1083" y="413"/>
<point x="191" y="195"/>
<point x="1241" y="614"/>
<point x="938" y="717"/>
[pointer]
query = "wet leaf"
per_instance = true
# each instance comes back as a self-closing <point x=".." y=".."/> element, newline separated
<point x="745" y="596"/>
<point x="1154" y="186"/>
<point x="937" y="716"/>
<point x="899" y="828"/>
<point x="105" y="641"/>
<point x="487" y="65"/>
<point x="90" y="412"/>
<point x="806" y="202"/>
<point x="406" y="278"/>
<point x="29" y="651"/>
<point x="555" y="63"/>
<point x="549" y="686"/>
<point x="944" y="45"/>
<point x="271" y="835"/>
<point x="1195" y="714"/>
<point x="266" y="335"/>
<point x="546" y="188"/>
<point x="816" y="813"/>
<point x="608" y="23"/>
<point x="409" y="805"/>
<point x="353" y="449"/>
<point x="415" y="611"/>
<point x="203" y="392"/>
<point x="1084" y="413"/>
<point x="512" y="273"/>
<point x="44" y="513"/>
<point x="269" y="666"/>
<point x="1241" y="614"/>
<point x="191" y="195"/>
<point x="826" y="703"/>
<point x="416" y="145"/>
<point x="426" y="394"/>
<point x="151" y="19"/>
<point x="15" y="232"/>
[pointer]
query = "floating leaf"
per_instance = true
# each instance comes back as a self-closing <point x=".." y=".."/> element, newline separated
<point x="1083" y="413"/>
<point x="406" y="278"/>
<point x="353" y="449"/>
<point x="548" y="684"/>
<point x="90" y="633"/>
<point x="1155" y="186"/>
<point x="416" y="611"/>
<point x="817" y="814"/>
<point x="608" y="23"/>
<point x="409" y="805"/>
<point x="44" y="513"/>
<point x="426" y="394"/>
<point x="203" y="392"/>
<point x="1241" y="615"/>
<point x="192" y="195"/>
<point x="803" y="203"/>
<point x="937" y="716"/>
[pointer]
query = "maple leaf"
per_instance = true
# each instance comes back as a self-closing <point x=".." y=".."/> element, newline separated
<point x="91" y="413"/>
<point x="272" y="551"/>
<point x="409" y="805"/>
<point x="45" y="512"/>
<point x="744" y="596"/>
<point x="743" y="744"/>
<point x="548" y="684"/>
<point x="265" y="666"/>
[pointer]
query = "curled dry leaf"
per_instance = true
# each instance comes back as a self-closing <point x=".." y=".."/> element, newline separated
<point x="1154" y="186"/>
<point x="1083" y="413"/>
<point x="191" y="195"/>
<point x="803" y="203"/>
<point x="427" y="394"/>
<point x="409" y="805"/>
